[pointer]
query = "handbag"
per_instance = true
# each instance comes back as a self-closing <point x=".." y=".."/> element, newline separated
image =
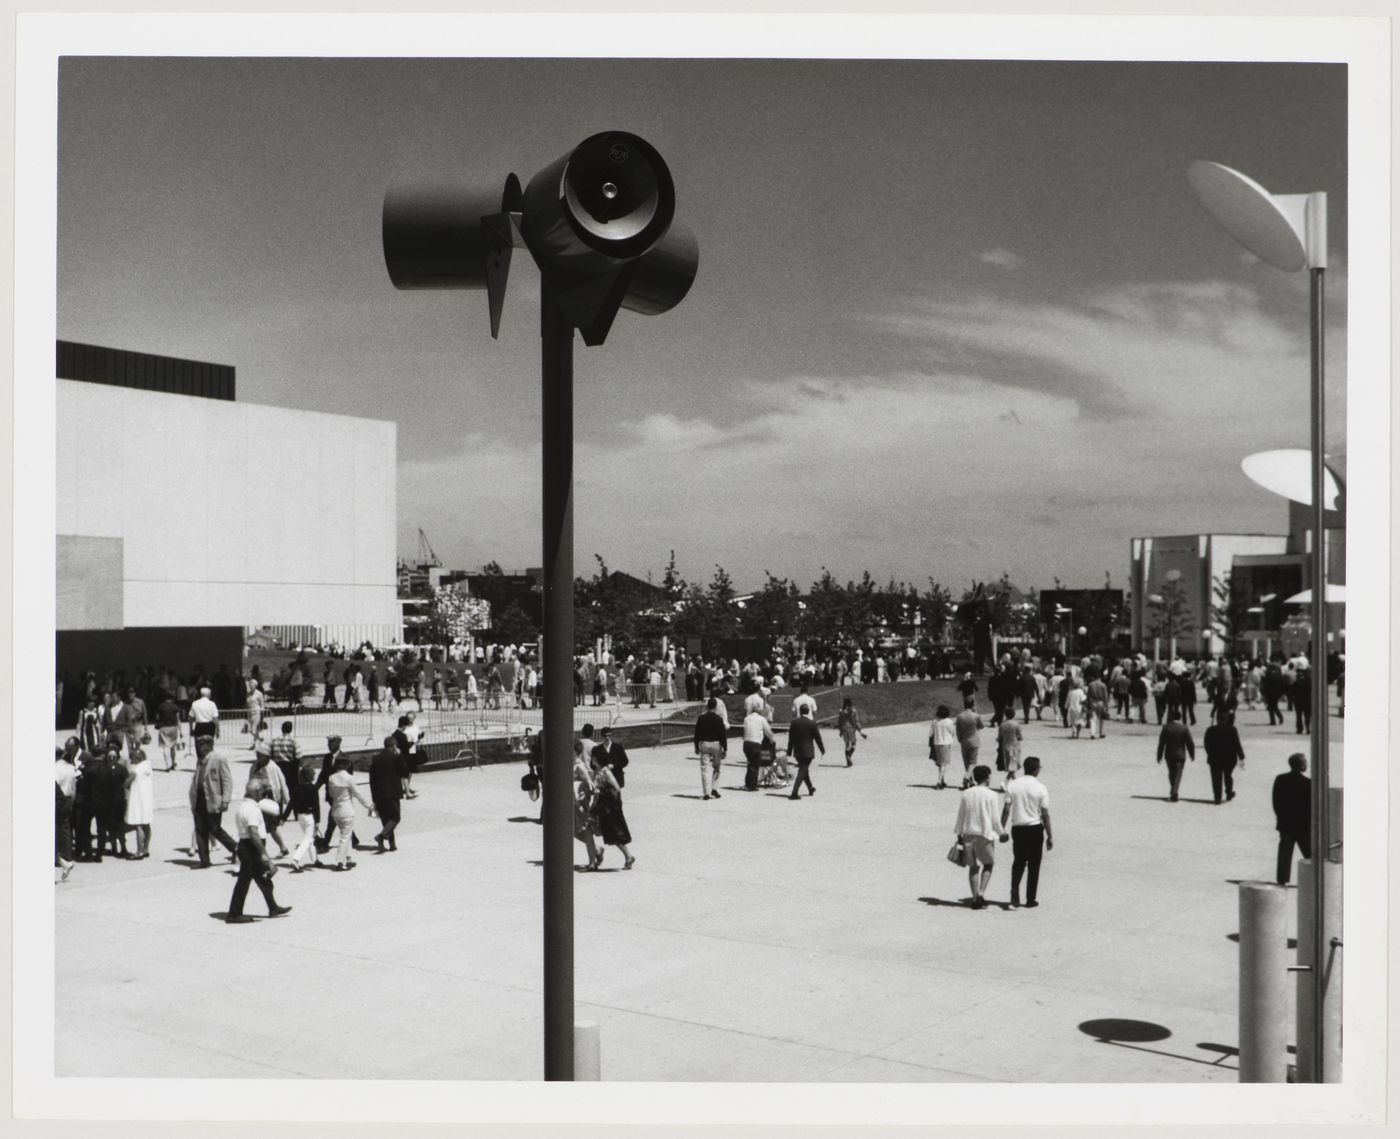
<point x="957" y="854"/>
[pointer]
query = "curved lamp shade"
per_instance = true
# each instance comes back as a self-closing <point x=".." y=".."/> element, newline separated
<point x="1335" y="595"/>
<point x="1289" y="231"/>
<point x="1289" y="473"/>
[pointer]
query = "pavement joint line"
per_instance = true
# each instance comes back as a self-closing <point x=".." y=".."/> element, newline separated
<point x="728" y="1030"/>
<point x="322" y="951"/>
<point x="195" y="1045"/>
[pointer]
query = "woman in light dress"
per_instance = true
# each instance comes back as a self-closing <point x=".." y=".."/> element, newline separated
<point x="140" y="801"/>
<point x="343" y="795"/>
<point x="942" y="741"/>
<point x="584" y="790"/>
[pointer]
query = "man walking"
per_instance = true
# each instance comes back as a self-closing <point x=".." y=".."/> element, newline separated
<point x="1223" y="750"/>
<point x="978" y="828"/>
<point x="967" y="724"/>
<point x="1028" y="810"/>
<point x="1175" y="744"/>
<point x="211" y="790"/>
<point x="1097" y="696"/>
<point x="804" y="741"/>
<point x="386" y="774"/>
<point x="711" y="745"/>
<point x="204" y="716"/>
<point x="1293" y="814"/>
<point x="286" y="754"/>
<point x="253" y="863"/>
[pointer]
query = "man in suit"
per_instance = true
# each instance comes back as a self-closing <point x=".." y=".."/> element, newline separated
<point x="613" y="753"/>
<point x="1293" y="814"/>
<point x="386" y="779"/>
<point x="211" y="791"/>
<point x="1175" y="744"/>
<point x="804" y="741"/>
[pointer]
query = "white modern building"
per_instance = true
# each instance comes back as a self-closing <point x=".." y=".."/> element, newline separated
<point x="186" y="520"/>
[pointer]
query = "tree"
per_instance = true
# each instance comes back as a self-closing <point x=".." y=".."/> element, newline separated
<point x="1229" y="611"/>
<point x="1170" y="614"/>
<point x="773" y="612"/>
<point x="933" y="610"/>
<point x="453" y="615"/>
<point x="826" y="604"/>
<point x="513" y="626"/>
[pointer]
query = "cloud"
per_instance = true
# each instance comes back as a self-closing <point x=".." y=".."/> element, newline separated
<point x="1134" y="407"/>
<point x="1001" y="258"/>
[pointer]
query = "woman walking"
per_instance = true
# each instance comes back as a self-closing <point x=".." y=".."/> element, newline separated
<point x="942" y="739"/>
<point x="140" y="801"/>
<point x="343" y="795"/>
<point x="848" y="724"/>
<point x="583" y="806"/>
<point x="607" y="810"/>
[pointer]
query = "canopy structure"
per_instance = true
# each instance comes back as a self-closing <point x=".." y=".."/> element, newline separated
<point x="1335" y="595"/>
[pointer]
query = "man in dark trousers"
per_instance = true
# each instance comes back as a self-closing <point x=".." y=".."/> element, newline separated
<point x="211" y="792"/>
<point x="804" y="741"/>
<point x="1223" y="750"/>
<point x="1293" y="814"/>
<point x="1302" y="701"/>
<point x="254" y="866"/>
<point x="386" y="775"/>
<point x="1175" y="744"/>
<point x="1027" y="810"/>
<point x="613" y="754"/>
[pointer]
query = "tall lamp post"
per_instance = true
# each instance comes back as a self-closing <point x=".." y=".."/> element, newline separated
<point x="598" y="223"/>
<point x="1289" y="232"/>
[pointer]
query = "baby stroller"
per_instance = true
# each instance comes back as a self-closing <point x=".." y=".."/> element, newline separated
<point x="770" y="773"/>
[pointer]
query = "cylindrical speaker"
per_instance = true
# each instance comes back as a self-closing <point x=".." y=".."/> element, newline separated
<point x="606" y="202"/>
<point x="432" y="234"/>
<point x="662" y="275"/>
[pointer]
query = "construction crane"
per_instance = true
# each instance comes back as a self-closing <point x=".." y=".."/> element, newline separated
<point x="427" y="556"/>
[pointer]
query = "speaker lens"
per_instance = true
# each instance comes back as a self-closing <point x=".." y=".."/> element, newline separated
<point x="612" y="188"/>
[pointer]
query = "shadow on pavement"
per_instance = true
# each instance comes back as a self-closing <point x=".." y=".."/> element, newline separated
<point x="1167" y="799"/>
<point x="679" y="796"/>
<point x="964" y="903"/>
<point x="521" y="819"/>
<point x="1133" y="1034"/>
<point x="932" y="786"/>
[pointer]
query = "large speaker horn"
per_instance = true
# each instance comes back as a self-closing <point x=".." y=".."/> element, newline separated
<point x="606" y="202"/>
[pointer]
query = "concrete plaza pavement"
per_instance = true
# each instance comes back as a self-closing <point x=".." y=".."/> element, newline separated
<point x="756" y="939"/>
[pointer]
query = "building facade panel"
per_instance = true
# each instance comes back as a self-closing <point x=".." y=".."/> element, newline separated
<point x="231" y="514"/>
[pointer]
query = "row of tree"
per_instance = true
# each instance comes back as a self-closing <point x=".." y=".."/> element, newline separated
<point x="637" y="613"/>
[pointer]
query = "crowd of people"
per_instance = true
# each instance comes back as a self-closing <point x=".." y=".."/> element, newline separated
<point x="105" y="777"/>
<point x="104" y="797"/>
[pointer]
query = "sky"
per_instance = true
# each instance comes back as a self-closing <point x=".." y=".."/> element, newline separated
<point x="953" y="319"/>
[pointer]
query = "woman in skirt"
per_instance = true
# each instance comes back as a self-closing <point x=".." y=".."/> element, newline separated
<point x="942" y="740"/>
<point x="607" y="809"/>
<point x="848" y="724"/>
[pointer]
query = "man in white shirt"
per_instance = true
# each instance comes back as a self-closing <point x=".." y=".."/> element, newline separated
<point x="979" y="828"/>
<point x="253" y="862"/>
<point x="204" y="716"/>
<point x="1028" y="811"/>
<point x="804" y="700"/>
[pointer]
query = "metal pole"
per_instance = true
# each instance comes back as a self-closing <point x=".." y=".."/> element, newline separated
<point x="1263" y="984"/>
<point x="557" y="391"/>
<point x="1321" y="831"/>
